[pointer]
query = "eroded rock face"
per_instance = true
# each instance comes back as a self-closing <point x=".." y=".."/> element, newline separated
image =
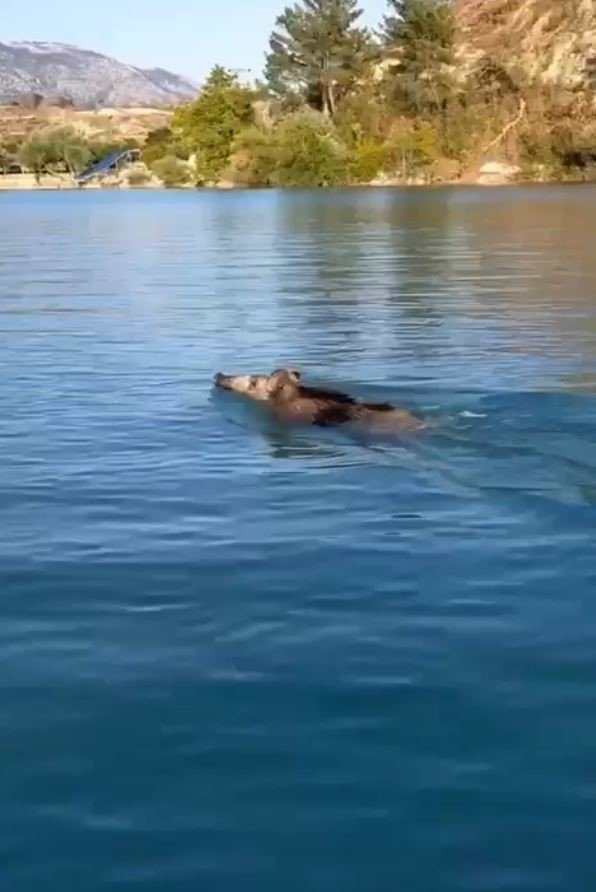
<point x="551" y="40"/>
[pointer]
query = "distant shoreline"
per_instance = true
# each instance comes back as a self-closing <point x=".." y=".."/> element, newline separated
<point x="27" y="183"/>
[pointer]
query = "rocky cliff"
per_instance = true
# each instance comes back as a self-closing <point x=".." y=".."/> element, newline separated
<point x="553" y="41"/>
<point x="85" y="77"/>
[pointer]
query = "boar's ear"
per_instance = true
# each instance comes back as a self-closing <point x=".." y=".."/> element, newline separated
<point x="288" y="374"/>
<point x="274" y="380"/>
<point x="280" y="378"/>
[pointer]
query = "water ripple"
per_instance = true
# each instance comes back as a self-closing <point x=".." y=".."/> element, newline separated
<point x="237" y="655"/>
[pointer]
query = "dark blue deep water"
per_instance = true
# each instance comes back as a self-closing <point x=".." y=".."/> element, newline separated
<point x="236" y="657"/>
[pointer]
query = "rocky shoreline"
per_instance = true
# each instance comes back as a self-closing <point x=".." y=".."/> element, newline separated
<point x="492" y="173"/>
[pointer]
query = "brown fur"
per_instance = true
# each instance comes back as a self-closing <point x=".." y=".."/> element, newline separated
<point x="292" y="401"/>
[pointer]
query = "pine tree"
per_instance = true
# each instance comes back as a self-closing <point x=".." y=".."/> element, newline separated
<point x="421" y="27"/>
<point x="420" y="35"/>
<point x="317" y="51"/>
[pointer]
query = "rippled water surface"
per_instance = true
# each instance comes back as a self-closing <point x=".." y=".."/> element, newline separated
<point x="240" y="657"/>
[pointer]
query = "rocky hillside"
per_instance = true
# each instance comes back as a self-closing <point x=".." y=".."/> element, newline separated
<point x="553" y="41"/>
<point x="16" y="123"/>
<point x="87" y="78"/>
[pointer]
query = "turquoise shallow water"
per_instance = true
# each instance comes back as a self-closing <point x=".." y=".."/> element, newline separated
<point x="234" y="656"/>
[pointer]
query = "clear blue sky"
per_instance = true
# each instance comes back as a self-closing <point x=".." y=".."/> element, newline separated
<point x="186" y="36"/>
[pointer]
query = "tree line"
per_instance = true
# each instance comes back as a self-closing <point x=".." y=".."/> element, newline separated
<point x="58" y="150"/>
<point x="341" y="103"/>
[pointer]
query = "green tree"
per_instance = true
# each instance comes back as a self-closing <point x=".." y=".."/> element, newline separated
<point x="162" y="142"/>
<point x="6" y="157"/>
<point x="302" y="149"/>
<point x="56" y="150"/>
<point x="318" y="51"/>
<point x="309" y="152"/>
<point x="420" y="36"/>
<point x="33" y="156"/>
<point x="424" y="28"/>
<point x="208" y="126"/>
<point x="70" y="149"/>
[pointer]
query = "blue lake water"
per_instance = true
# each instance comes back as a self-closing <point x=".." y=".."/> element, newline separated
<point x="239" y="657"/>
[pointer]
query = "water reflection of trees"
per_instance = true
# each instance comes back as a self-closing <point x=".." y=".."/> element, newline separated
<point x="357" y="272"/>
<point x="437" y="275"/>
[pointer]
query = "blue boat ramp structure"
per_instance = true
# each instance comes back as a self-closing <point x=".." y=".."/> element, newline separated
<point x="107" y="165"/>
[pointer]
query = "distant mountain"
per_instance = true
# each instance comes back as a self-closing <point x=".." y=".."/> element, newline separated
<point x="87" y="78"/>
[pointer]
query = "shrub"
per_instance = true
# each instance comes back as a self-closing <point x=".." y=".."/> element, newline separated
<point x="171" y="171"/>
<point x="367" y="159"/>
<point x="309" y="152"/>
<point x="363" y="116"/>
<point x="254" y="157"/>
<point x="461" y="129"/>
<point x="160" y="143"/>
<point x="138" y="176"/>
<point x="303" y="149"/>
<point x="414" y="148"/>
